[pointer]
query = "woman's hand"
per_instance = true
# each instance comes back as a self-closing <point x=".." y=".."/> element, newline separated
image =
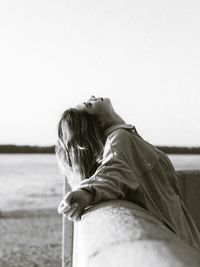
<point x="74" y="203"/>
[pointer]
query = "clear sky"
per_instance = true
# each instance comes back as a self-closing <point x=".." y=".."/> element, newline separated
<point x="144" y="55"/>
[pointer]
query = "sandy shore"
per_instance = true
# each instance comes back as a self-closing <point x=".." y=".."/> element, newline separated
<point x="30" y="239"/>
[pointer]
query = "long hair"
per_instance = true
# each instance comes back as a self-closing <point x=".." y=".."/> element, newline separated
<point x="81" y="136"/>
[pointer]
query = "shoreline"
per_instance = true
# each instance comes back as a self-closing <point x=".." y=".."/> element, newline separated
<point x="52" y="211"/>
<point x="27" y="149"/>
<point x="25" y="213"/>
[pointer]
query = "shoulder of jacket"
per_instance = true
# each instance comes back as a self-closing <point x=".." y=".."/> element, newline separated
<point x="116" y="141"/>
<point x="119" y="137"/>
<point x="121" y="132"/>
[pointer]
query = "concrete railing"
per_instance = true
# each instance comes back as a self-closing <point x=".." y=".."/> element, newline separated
<point x="119" y="233"/>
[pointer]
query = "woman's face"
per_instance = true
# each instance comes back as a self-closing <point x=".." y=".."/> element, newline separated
<point x="96" y="106"/>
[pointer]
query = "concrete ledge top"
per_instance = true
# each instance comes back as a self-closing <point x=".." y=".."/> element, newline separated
<point x="119" y="233"/>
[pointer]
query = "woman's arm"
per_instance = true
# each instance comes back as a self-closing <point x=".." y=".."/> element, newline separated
<point x="111" y="180"/>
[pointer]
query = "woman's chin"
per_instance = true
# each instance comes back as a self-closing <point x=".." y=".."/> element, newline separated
<point x="80" y="107"/>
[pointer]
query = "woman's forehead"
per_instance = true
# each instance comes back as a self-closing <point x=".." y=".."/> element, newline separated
<point x="81" y="107"/>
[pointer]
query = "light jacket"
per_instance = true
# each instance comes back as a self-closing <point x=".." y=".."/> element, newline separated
<point x="135" y="170"/>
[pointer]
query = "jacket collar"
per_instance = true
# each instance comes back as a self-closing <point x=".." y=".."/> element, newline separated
<point x="119" y="126"/>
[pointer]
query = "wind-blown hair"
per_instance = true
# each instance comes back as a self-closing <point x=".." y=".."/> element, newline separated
<point x="82" y="141"/>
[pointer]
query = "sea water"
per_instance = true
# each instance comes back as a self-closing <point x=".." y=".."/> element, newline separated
<point x="29" y="181"/>
<point x="33" y="181"/>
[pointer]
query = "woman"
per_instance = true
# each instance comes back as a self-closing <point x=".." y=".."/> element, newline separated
<point x="128" y="168"/>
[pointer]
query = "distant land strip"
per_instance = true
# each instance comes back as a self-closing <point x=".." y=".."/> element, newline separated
<point x="51" y="149"/>
<point x="27" y="149"/>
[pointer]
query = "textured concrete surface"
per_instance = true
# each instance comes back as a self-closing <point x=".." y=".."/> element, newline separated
<point x="119" y="233"/>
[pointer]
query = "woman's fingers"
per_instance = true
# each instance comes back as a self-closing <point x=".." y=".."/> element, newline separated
<point x="76" y="215"/>
<point x="64" y="206"/>
<point x="60" y="207"/>
<point x="74" y="203"/>
<point x="69" y="211"/>
<point x="66" y="203"/>
<point x="73" y="212"/>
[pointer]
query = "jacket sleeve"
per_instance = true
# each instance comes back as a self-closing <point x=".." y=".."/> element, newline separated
<point x="114" y="177"/>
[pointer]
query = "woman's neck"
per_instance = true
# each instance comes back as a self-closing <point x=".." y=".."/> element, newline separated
<point x="113" y="119"/>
